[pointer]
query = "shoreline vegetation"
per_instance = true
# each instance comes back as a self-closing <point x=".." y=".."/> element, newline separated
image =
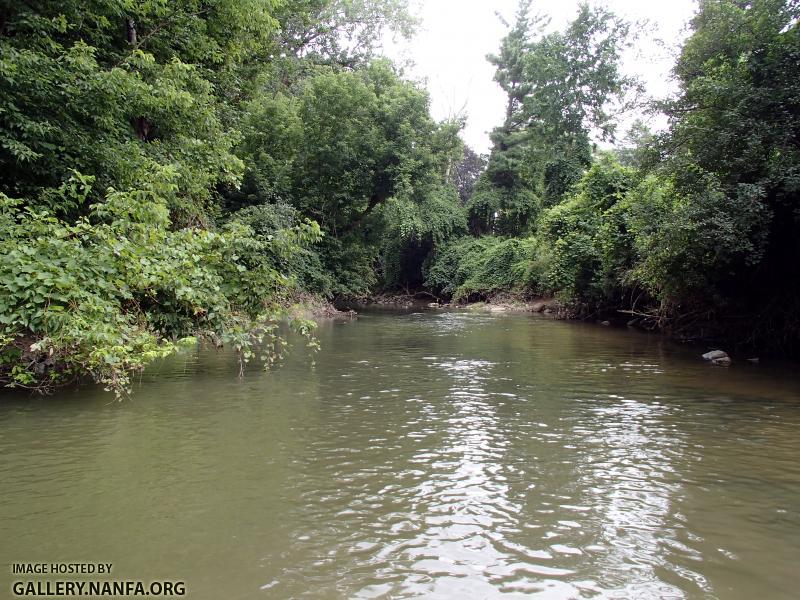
<point x="498" y="303"/>
<point x="175" y="171"/>
<point x="519" y="304"/>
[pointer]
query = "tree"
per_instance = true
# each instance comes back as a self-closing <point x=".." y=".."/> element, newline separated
<point x="510" y="62"/>
<point x="467" y="172"/>
<point x="349" y="141"/>
<point x="344" y="146"/>
<point x="500" y="202"/>
<point x="732" y="154"/>
<point x="560" y="86"/>
<point x="343" y="32"/>
<point x="574" y="77"/>
<point x="639" y="147"/>
<point x="75" y="93"/>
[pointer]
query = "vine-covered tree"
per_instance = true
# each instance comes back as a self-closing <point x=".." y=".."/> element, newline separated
<point x="466" y="173"/>
<point x="733" y="155"/>
<point x="559" y="88"/>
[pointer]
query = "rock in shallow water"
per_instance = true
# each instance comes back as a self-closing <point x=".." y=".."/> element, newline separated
<point x="715" y="354"/>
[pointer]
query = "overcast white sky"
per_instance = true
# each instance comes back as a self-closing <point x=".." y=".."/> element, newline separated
<point x="450" y="48"/>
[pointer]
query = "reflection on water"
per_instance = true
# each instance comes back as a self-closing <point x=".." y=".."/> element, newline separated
<point x="435" y="455"/>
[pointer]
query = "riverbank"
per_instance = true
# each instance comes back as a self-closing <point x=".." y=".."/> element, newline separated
<point x="498" y="303"/>
<point x="316" y="308"/>
<point x="702" y="336"/>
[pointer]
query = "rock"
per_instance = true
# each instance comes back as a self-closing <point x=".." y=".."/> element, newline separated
<point x="538" y="307"/>
<point x="433" y="305"/>
<point x="755" y="361"/>
<point x="605" y="323"/>
<point x="718" y="357"/>
<point x="632" y="323"/>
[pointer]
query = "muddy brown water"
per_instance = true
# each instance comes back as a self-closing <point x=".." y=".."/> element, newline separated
<point x="424" y="455"/>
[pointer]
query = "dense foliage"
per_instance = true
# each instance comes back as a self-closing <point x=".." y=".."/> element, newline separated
<point x="114" y="289"/>
<point x="173" y="170"/>
<point x="698" y="232"/>
<point x="358" y="152"/>
<point x="180" y="170"/>
<point x="475" y="268"/>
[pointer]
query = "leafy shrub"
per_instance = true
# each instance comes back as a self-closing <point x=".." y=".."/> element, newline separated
<point x="120" y="287"/>
<point x="479" y="266"/>
<point x="582" y="241"/>
<point x="688" y="242"/>
<point x="411" y="229"/>
<point x="278" y="223"/>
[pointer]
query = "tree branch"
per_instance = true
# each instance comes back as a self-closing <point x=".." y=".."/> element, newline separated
<point x="373" y="202"/>
<point x="138" y="43"/>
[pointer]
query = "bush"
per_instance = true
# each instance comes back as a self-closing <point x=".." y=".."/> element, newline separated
<point x="479" y="266"/>
<point x="279" y="223"/>
<point x="120" y="287"/>
<point x="689" y="242"/>
<point x="582" y="252"/>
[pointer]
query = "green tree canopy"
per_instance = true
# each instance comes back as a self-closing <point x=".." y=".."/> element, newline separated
<point x="347" y="143"/>
<point x="559" y="86"/>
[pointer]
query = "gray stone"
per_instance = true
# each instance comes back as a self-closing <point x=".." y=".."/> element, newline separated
<point x="722" y="361"/>
<point x="715" y="354"/>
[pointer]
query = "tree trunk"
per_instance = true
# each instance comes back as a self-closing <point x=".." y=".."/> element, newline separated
<point x="373" y="202"/>
<point x="131" y="27"/>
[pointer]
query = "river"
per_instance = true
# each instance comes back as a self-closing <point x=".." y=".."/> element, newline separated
<point x="427" y="455"/>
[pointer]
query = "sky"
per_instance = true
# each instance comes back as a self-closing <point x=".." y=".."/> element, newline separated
<point x="449" y="53"/>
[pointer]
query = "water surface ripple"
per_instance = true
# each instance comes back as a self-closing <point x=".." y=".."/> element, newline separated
<point x="425" y="455"/>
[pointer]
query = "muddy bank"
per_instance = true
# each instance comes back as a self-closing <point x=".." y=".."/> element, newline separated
<point x="315" y="308"/>
<point x="424" y="300"/>
<point x="545" y="306"/>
